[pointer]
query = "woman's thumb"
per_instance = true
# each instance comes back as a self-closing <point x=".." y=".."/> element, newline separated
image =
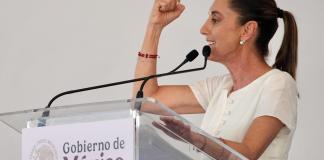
<point x="180" y="8"/>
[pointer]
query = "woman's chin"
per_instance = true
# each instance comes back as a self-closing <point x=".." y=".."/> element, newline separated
<point x="213" y="58"/>
<point x="213" y="55"/>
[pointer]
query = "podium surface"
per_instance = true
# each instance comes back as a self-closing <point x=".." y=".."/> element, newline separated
<point x="115" y="130"/>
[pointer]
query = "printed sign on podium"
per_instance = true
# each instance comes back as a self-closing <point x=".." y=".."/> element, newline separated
<point x="113" y="141"/>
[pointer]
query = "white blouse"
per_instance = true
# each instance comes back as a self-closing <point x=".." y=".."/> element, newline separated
<point x="229" y="116"/>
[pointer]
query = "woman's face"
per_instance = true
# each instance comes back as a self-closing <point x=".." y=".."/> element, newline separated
<point x="222" y="31"/>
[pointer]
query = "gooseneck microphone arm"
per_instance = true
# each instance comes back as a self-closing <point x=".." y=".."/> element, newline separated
<point x="92" y="88"/>
<point x="107" y="85"/>
<point x="46" y="113"/>
<point x="190" y="57"/>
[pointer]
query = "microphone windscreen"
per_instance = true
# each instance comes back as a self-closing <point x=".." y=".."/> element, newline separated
<point x="192" y="55"/>
<point x="206" y="51"/>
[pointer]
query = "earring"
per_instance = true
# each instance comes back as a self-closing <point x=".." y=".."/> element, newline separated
<point x="242" y="42"/>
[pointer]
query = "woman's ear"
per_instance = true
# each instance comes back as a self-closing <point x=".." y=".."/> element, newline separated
<point x="249" y="30"/>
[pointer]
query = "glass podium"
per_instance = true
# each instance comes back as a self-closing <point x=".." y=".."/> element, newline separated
<point x="157" y="132"/>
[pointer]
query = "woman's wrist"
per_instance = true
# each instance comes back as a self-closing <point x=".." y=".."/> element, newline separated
<point x="153" y="27"/>
<point x="200" y="141"/>
<point x="151" y="40"/>
<point x="203" y="146"/>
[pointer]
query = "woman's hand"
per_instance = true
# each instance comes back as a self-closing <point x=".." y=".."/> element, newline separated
<point x="165" y="11"/>
<point x="182" y="130"/>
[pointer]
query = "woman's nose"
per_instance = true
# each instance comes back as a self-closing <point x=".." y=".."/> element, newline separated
<point x="204" y="28"/>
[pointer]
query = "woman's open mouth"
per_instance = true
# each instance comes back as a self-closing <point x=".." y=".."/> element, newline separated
<point x="210" y="43"/>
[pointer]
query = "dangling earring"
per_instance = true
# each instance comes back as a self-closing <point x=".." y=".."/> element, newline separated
<point x="242" y="42"/>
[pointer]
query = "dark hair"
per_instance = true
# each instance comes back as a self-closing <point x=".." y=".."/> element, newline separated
<point x="265" y="13"/>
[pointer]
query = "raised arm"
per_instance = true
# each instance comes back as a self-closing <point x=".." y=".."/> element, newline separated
<point x="176" y="97"/>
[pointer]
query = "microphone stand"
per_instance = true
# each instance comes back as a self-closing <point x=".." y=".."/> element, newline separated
<point x="139" y="94"/>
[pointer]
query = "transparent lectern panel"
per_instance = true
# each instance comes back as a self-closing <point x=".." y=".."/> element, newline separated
<point x="160" y="133"/>
<point x="163" y="134"/>
<point x="67" y="114"/>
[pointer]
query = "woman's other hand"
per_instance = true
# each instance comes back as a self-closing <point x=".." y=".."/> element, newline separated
<point x="180" y="129"/>
<point x="165" y="11"/>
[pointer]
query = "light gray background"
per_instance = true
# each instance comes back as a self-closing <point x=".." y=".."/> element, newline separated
<point x="49" y="46"/>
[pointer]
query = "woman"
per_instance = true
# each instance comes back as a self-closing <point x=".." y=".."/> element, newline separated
<point x="253" y="108"/>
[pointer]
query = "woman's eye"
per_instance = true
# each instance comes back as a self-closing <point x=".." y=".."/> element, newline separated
<point x="214" y="20"/>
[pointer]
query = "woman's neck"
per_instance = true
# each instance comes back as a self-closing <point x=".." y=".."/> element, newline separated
<point x="245" y="68"/>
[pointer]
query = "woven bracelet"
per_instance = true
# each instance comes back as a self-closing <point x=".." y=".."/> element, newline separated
<point x="154" y="56"/>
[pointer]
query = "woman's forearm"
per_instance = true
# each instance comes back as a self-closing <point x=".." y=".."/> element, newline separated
<point x="217" y="151"/>
<point x="147" y="66"/>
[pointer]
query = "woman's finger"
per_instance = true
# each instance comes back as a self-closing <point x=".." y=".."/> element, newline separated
<point x="168" y="5"/>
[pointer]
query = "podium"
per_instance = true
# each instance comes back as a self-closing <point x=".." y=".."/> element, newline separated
<point x="114" y="130"/>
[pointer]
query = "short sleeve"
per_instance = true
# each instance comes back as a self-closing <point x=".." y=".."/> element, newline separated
<point x="279" y="99"/>
<point x="204" y="89"/>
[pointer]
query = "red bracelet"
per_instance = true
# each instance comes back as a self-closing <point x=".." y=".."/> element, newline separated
<point x="140" y="54"/>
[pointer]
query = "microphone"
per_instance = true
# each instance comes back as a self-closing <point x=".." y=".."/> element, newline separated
<point x="206" y="53"/>
<point x="190" y="57"/>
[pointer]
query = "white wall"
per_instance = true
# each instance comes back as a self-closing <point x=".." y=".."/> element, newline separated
<point x="47" y="47"/>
